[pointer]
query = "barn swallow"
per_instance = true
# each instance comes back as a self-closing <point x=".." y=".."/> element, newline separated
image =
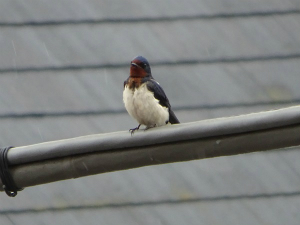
<point x="144" y="98"/>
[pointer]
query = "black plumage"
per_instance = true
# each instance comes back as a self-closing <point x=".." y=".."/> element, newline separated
<point x="160" y="95"/>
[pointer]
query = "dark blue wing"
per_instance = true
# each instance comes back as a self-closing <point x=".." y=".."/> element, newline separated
<point x="160" y="95"/>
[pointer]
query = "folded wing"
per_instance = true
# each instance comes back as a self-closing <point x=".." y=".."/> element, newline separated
<point x="160" y="95"/>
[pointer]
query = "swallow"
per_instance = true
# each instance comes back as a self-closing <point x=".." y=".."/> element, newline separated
<point x="144" y="98"/>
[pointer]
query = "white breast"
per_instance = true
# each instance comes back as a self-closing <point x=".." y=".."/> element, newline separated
<point x="142" y="106"/>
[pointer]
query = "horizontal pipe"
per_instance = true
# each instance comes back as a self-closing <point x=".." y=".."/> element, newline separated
<point x="83" y="156"/>
<point x="100" y="162"/>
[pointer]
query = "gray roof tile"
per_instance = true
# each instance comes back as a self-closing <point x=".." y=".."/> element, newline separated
<point x="262" y="74"/>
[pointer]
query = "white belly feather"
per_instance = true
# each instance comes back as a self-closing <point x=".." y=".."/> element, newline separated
<point x="142" y="106"/>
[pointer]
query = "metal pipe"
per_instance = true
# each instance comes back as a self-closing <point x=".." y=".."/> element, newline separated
<point x="83" y="156"/>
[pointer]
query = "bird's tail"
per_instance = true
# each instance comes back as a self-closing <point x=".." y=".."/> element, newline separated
<point x="172" y="118"/>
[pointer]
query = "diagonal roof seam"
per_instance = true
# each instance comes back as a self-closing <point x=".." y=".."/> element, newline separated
<point x="223" y="60"/>
<point x="121" y="111"/>
<point x="233" y="15"/>
<point x="155" y="203"/>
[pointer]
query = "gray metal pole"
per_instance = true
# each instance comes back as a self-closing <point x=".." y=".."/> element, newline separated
<point x="83" y="156"/>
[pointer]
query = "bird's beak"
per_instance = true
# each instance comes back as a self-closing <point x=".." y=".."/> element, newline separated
<point x="134" y="64"/>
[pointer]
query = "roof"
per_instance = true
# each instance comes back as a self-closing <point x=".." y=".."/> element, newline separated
<point x="62" y="67"/>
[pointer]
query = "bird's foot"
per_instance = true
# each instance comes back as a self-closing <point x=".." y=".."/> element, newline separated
<point x="134" y="129"/>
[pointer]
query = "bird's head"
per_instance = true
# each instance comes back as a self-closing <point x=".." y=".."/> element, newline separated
<point x="140" y="67"/>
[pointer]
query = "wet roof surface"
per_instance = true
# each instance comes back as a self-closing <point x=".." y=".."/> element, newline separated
<point x="62" y="67"/>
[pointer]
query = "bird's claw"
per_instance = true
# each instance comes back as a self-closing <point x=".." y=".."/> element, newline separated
<point x="134" y="129"/>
